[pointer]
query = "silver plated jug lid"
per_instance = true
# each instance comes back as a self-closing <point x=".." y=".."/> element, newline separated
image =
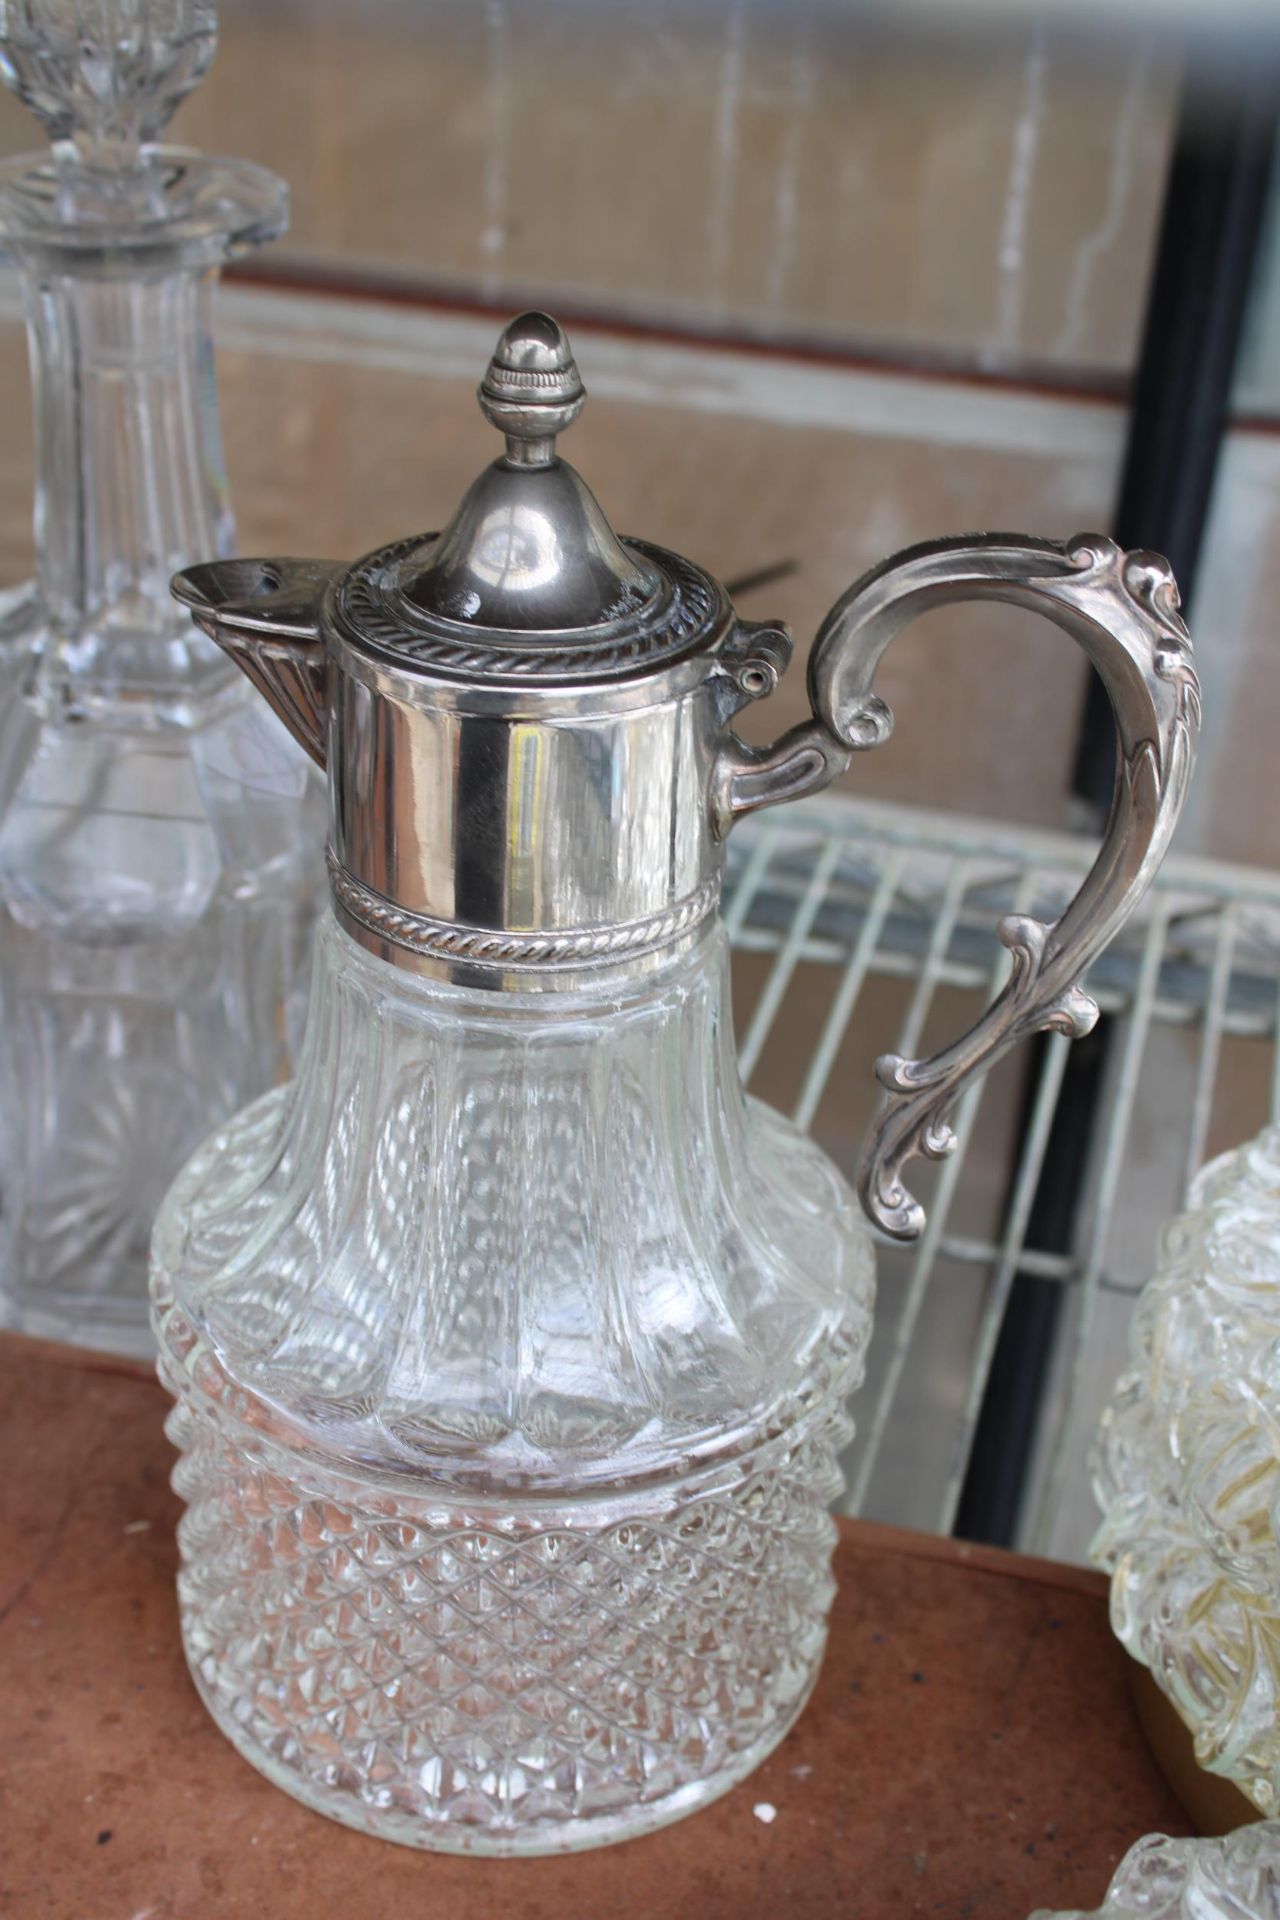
<point x="528" y="580"/>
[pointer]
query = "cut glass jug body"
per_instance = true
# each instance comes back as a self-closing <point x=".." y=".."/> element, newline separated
<point x="511" y="1343"/>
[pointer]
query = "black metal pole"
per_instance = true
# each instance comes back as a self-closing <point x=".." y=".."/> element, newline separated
<point x="1215" y="199"/>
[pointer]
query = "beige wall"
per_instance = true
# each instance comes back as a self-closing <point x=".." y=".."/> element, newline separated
<point x="776" y="165"/>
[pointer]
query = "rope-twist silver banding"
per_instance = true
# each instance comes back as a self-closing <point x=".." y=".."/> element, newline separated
<point x="370" y="606"/>
<point x="487" y="947"/>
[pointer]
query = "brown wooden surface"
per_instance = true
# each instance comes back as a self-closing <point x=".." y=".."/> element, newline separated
<point x="1213" y="1804"/>
<point x="971" y="1748"/>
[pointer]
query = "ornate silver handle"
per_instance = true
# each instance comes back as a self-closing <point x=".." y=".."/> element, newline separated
<point x="1123" y="610"/>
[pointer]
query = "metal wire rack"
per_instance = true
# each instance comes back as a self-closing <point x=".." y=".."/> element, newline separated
<point x="839" y="908"/>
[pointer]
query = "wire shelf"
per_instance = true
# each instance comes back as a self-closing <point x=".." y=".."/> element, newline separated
<point x="863" y="928"/>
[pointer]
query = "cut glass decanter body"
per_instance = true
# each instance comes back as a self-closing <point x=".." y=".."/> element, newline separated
<point x="511" y="1348"/>
<point x="1186" y="1469"/>
<point x="157" y="826"/>
<point x="510" y="1345"/>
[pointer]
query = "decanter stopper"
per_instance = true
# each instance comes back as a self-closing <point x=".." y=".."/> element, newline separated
<point x="103" y="77"/>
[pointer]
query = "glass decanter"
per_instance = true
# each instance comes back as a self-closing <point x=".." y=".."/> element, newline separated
<point x="157" y="825"/>
<point x="1235" y="1878"/>
<point x="1186" y="1470"/>
<point x="511" y="1343"/>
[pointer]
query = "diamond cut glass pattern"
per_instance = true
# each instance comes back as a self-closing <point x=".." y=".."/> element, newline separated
<point x="508" y="1423"/>
<point x="503" y="1682"/>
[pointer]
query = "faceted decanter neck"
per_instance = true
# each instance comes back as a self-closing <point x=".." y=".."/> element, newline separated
<point x="116" y="509"/>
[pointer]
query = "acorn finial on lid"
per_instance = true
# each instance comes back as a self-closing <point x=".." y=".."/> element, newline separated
<point x="532" y="390"/>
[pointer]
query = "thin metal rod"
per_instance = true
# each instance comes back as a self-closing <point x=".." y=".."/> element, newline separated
<point x="930" y="969"/>
<point x="748" y="884"/>
<point x="846" y="994"/>
<point x="1011" y="1262"/>
<point x="788" y="955"/>
<point x="930" y="1241"/>
<point x="872" y="825"/>
<point x="1211" y="1044"/>
<point x="1165" y="1010"/>
<point x="1114" y="1136"/>
<point x="1034" y="1260"/>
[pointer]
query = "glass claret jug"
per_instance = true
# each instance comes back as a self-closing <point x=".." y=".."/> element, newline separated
<point x="511" y="1343"/>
